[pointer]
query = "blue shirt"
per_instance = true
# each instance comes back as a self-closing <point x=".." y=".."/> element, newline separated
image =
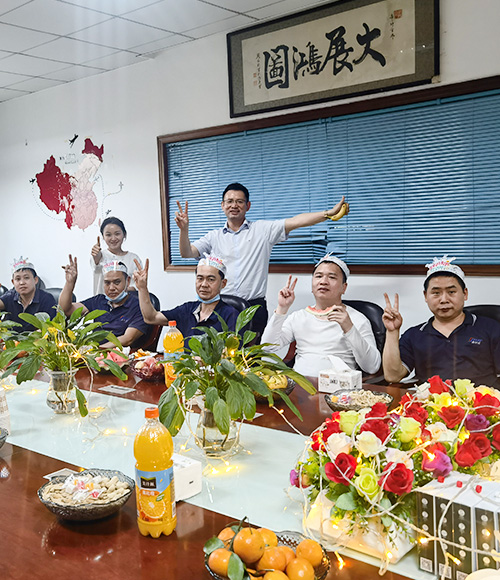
<point x="186" y="317"/>
<point x="42" y="302"/>
<point x="472" y="351"/>
<point x="245" y="253"/>
<point x="120" y="318"/>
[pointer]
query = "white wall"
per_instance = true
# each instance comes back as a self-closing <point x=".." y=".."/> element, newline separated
<point x="183" y="88"/>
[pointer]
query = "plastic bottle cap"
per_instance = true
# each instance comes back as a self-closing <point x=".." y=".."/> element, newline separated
<point x="172" y="323"/>
<point x="151" y="412"/>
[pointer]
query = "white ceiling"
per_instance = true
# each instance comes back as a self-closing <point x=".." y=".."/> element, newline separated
<point x="44" y="43"/>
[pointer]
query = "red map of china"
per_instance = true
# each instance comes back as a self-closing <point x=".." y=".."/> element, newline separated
<point x="72" y="195"/>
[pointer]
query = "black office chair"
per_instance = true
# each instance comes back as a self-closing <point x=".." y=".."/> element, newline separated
<point x="487" y="310"/>
<point x="239" y="303"/>
<point x="3" y="290"/>
<point x="40" y="284"/>
<point x="149" y="341"/>
<point x="56" y="292"/>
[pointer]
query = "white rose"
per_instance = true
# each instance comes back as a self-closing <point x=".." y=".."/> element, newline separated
<point x="338" y="443"/>
<point x="398" y="456"/>
<point x="495" y="469"/>
<point x="441" y="433"/>
<point x="368" y="444"/>
<point x="422" y="392"/>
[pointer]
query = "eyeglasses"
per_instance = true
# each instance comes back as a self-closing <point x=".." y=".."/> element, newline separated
<point x="240" y="202"/>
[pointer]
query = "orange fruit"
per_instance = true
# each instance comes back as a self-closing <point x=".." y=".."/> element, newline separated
<point x="272" y="559"/>
<point x="226" y="535"/>
<point x="270" y="538"/>
<point x="249" y="545"/>
<point x="289" y="553"/>
<point x="300" y="569"/>
<point x="311" y="551"/>
<point x="275" y="575"/>
<point x="218" y="561"/>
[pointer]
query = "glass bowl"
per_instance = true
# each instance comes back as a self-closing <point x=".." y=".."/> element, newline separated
<point x="356" y="399"/>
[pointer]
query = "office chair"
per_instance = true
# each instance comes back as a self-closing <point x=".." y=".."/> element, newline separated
<point x="149" y="341"/>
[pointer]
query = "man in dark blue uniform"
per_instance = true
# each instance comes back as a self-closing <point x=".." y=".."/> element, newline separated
<point x="25" y="296"/>
<point x="210" y="280"/>
<point x="123" y="315"/>
<point x="453" y="344"/>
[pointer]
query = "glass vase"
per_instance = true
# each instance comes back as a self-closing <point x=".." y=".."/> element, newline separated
<point x="61" y="397"/>
<point x="214" y="443"/>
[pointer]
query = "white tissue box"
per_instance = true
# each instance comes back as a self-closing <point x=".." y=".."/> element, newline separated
<point x="331" y="380"/>
<point x="187" y="476"/>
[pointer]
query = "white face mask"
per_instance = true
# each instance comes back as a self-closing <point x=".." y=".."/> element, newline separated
<point x="119" y="298"/>
<point x="211" y="301"/>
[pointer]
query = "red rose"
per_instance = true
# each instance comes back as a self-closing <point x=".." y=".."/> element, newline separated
<point x="396" y="478"/>
<point x="342" y="469"/>
<point x="436" y="447"/>
<point x="481" y="443"/>
<point x="417" y="412"/>
<point x="452" y="415"/>
<point x="495" y="436"/>
<point x="378" y="410"/>
<point x="377" y="426"/>
<point x="437" y="386"/>
<point x="407" y="398"/>
<point x="486" y="405"/>
<point x="320" y="436"/>
<point x="467" y="454"/>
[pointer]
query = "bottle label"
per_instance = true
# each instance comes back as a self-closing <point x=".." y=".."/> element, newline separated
<point x="155" y="495"/>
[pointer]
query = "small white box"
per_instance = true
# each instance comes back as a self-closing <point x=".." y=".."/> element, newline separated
<point x="187" y="476"/>
<point x="331" y="380"/>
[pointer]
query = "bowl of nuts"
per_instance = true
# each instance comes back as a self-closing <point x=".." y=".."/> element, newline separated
<point x="356" y="399"/>
<point x="90" y="495"/>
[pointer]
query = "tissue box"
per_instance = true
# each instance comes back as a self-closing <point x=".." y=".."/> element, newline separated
<point x="331" y="380"/>
<point x="187" y="476"/>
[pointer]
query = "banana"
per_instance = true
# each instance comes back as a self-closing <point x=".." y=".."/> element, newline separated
<point x="344" y="210"/>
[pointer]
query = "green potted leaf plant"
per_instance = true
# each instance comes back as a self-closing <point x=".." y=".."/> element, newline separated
<point x="61" y="346"/>
<point x="227" y="371"/>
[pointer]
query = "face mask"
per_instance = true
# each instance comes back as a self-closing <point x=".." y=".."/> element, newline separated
<point x="214" y="299"/>
<point x="119" y="298"/>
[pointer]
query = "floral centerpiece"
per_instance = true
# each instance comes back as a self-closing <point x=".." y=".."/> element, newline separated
<point x="61" y="346"/>
<point x="361" y="467"/>
<point x="226" y="371"/>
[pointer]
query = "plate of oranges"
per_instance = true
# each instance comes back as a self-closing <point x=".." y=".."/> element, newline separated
<point x="264" y="555"/>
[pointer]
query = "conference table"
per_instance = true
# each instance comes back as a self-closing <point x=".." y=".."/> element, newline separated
<point x="34" y="543"/>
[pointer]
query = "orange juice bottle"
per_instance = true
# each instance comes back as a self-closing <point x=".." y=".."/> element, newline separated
<point x="154" y="477"/>
<point x="173" y="341"/>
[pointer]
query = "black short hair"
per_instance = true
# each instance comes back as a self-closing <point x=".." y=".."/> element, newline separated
<point x="115" y="221"/>
<point x="26" y="270"/>
<point x="443" y="273"/>
<point x="236" y="187"/>
<point x="344" y="277"/>
<point x="221" y="273"/>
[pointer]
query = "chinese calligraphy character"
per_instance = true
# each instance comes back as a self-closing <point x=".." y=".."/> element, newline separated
<point x="301" y="63"/>
<point x="337" y="51"/>
<point x="276" y="67"/>
<point x="366" y="40"/>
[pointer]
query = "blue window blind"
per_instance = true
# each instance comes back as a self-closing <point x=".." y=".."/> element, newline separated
<point x="421" y="180"/>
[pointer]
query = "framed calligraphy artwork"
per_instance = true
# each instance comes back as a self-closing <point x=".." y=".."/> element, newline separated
<point x="347" y="48"/>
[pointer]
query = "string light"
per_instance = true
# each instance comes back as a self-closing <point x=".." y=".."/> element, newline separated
<point x="340" y="560"/>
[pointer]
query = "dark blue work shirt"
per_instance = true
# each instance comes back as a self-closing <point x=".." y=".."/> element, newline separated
<point x="42" y="302"/>
<point x="472" y="351"/>
<point x="187" y="320"/>
<point x="120" y="318"/>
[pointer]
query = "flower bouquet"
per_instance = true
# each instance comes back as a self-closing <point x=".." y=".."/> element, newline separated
<point x="361" y="467"/>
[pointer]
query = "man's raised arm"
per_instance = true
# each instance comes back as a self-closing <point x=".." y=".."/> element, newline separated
<point x="394" y="370"/>
<point x="66" y="296"/>
<point x="149" y="313"/>
<point x="186" y="248"/>
<point x="303" y="220"/>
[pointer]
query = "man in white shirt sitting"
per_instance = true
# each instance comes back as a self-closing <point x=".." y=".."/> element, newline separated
<point x="329" y="328"/>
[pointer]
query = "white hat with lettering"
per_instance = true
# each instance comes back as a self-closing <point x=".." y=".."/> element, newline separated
<point x="444" y="265"/>
<point x="22" y="264"/>
<point x="214" y="261"/>
<point x="340" y="263"/>
<point x="114" y="266"/>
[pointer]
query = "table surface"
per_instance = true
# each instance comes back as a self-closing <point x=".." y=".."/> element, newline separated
<point x="35" y="543"/>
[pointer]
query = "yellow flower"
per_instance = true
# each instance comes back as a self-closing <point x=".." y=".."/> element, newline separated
<point x="348" y="420"/>
<point x="367" y="483"/>
<point x="463" y="387"/>
<point x="441" y="400"/>
<point x="409" y="429"/>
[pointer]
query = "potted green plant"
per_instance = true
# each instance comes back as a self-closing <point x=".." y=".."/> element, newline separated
<point x="227" y="371"/>
<point x="61" y="346"/>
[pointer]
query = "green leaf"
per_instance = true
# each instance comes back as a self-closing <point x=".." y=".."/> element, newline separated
<point x="245" y="317"/>
<point x="195" y="345"/>
<point x="190" y="389"/>
<point x="236" y="568"/>
<point x="115" y="369"/>
<point x="171" y="414"/>
<point x="249" y="404"/>
<point x="227" y="367"/>
<point x="223" y="323"/>
<point x="212" y="544"/>
<point x="34" y="320"/>
<point x="82" y="402"/>
<point x="211" y="396"/>
<point x="289" y="403"/>
<point x="257" y="384"/>
<point x="112" y="338"/>
<point x="93" y="314"/>
<point x="8" y="355"/>
<point x="234" y="400"/>
<point x="300" y="380"/>
<point x="248" y="336"/>
<point x="346" y="502"/>
<point x="92" y="362"/>
<point x="28" y="368"/>
<point x="77" y="314"/>
<point x="221" y="416"/>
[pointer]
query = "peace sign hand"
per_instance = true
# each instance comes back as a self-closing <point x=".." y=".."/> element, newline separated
<point x="141" y="275"/>
<point x="286" y="296"/>
<point x="71" y="270"/>
<point x="181" y="217"/>
<point x="392" y="318"/>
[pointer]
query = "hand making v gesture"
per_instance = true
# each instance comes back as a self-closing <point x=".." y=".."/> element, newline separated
<point x="286" y="296"/>
<point x="71" y="271"/>
<point x="141" y="275"/>
<point x="392" y="318"/>
<point x="182" y="217"/>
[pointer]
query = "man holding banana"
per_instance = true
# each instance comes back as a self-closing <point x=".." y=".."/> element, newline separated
<point x="246" y="246"/>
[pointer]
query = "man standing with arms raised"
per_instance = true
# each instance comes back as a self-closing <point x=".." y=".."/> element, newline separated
<point x="246" y="246"/>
